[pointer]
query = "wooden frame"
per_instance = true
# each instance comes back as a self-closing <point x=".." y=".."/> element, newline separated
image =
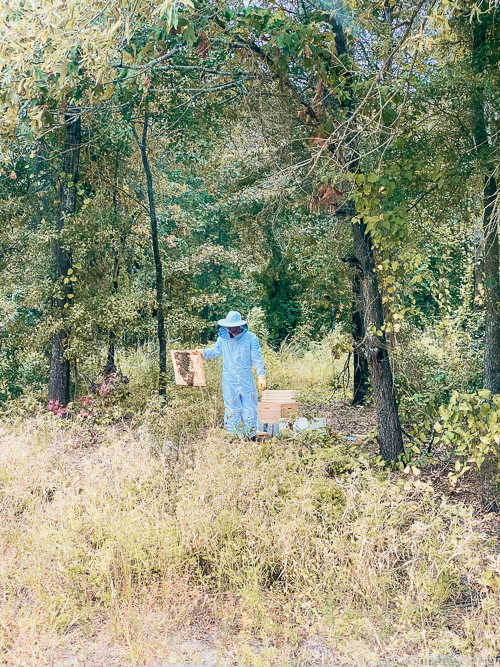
<point x="188" y="368"/>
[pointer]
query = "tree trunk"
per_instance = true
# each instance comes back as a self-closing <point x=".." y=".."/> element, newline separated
<point x="59" y="365"/>
<point x="478" y="267"/>
<point x="162" y="341"/>
<point x="491" y="376"/>
<point x="59" y="370"/>
<point x="361" y="384"/>
<point x="116" y="264"/>
<point x="389" y="428"/>
<point x="358" y="334"/>
<point x="491" y="373"/>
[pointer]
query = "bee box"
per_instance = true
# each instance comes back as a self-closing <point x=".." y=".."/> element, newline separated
<point x="276" y="405"/>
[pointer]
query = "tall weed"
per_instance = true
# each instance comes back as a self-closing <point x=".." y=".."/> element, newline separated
<point x="298" y="533"/>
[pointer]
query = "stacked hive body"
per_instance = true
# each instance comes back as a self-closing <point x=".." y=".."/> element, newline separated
<point x="276" y="406"/>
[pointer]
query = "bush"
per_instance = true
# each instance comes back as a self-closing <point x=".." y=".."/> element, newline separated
<point x="469" y="427"/>
<point x="430" y="365"/>
<point x="317" y="370"/>
<point x="297" y="532"/>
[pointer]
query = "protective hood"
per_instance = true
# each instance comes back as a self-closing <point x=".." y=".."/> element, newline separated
<point x="224" y="333"/>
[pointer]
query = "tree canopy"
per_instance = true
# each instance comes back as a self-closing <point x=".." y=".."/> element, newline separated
<point x="163" y="163"/>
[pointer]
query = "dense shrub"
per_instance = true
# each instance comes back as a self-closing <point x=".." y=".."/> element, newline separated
<point x="430" y="365"/>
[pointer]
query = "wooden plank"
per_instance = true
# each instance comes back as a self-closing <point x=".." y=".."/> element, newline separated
<point x="188" y="369"/>
<point x="279" y="395"/>
<point x="271" y="413"/>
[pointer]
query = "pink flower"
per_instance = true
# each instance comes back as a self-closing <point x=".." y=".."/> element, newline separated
<point x="107" y="387"/>
<point x="53" y="405"/>
<point x="86" y="400"/>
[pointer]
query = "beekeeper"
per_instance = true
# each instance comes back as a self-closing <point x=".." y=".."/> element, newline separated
<point x="241" y="350"/>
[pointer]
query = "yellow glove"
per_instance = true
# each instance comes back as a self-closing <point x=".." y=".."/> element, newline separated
<point x="262" y="382"/>
<point x="198" y="352"/>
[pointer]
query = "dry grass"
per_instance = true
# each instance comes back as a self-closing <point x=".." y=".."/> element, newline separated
<point x="317" y="376"/>
<point x="240" y="553"/>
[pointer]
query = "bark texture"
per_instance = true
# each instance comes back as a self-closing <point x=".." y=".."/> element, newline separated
<point x="389" y="427"/>
<point x="59" y="365"/>
<point x="360" y="362"/>
<point x="491" y="374"/>
<point x="162" y="341"/>
<point x="358" y="334"/>
<point x="478" y="267"/>
<point x="59" y="370"/>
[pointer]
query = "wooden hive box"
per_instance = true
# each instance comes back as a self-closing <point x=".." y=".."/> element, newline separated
<point x="276" y="405"/>
<point x="188" y="368"/>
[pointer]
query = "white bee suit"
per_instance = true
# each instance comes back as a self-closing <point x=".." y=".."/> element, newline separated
<point x="238" y="386"/>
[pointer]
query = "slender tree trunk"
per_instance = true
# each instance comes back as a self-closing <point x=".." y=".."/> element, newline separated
<point x="478" y="267"/>
<point x="112" y="335"/>
<point x="116" y="265"/>
<point x="358" y="334"/>
<point x="162" y="341"/>
<point x="389" y="428"/>
<point x="491" y="373"/>
<point x="59" y="365"/>
<point x="360" y="362"/>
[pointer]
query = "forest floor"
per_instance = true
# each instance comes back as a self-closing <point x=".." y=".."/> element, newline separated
<point x="202" y="641"/>
<point x="173" y="625"/>
<point x="199" y="640"/>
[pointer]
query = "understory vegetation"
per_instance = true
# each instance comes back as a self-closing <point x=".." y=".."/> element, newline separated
<point x="295" y="538"/>
<point x="147" y="521"/>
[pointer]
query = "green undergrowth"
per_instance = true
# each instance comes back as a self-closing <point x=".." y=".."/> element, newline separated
<point x="178" y="418"/>
<point x="289" y="539"/>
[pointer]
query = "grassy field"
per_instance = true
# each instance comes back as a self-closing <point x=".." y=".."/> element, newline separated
<point x="144" y="541"/>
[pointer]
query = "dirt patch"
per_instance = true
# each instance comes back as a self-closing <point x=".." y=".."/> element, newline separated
<point x="345" y="419"/>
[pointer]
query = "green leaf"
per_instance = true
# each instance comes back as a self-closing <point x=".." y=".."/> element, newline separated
<point x="189" y="36"/>
<point x="62" y="70"/>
